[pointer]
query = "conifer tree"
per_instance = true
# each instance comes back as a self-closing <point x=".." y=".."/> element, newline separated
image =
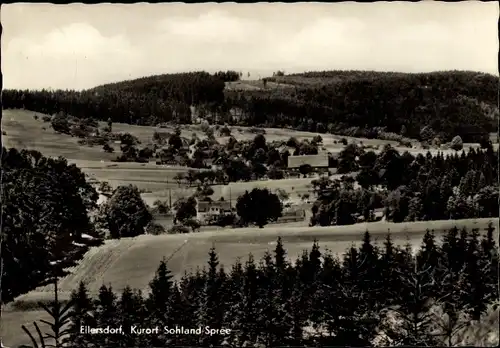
<point x="450" y="250"/>
<point x="450" y="284"/>
<point x="234" y="300"/>
<point x="106" y="314"/>
<point x="190" y="290"/>
<point x="388" y="265"/>
<point x="475" y="293"/>
<point x="248" y="312"/>
<point x="356" y="326"/>
<point x="325" y="313"/>
<point x="370" y="281"/>
<point x="81" y="316"/>
<point x="268" y="316"/>
<point x="428" y="257"/>
<point x="130" y="313"/>
<point x="296" y="306"/>
<point x="160" y="303"/>
<point x="489" y="263"/>
<point x="212" y="310"/>
<point x="412" y="306"/>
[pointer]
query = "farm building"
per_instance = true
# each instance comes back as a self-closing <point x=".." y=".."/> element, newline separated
<point x="315" y="161"/>
<point x="207" y="210"/>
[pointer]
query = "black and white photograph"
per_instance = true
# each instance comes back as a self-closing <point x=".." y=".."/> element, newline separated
<point x="250" y="175"/>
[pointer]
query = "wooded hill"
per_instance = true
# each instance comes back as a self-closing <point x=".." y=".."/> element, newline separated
<point x="355" y="103"/>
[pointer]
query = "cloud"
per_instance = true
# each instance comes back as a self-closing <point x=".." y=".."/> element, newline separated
<point x="94" y="45"/>
<point x="214" y="27"/>
<point x="75" y="56"/>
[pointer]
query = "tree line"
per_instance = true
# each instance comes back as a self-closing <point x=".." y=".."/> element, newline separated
<point x="371" y="295"/>
<point x="365" y="104"/>
<point x="409" y="188"/>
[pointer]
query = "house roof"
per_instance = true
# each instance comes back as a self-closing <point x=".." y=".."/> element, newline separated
<point x="204" y="207"/>
<point x="315" y="161"/>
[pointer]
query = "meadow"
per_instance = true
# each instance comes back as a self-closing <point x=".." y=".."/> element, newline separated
<point x="133" y="261"/>
<point x="23" y="131"/>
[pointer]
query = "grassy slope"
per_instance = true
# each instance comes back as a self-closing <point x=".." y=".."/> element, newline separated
<point x="134" y="261"/>
<point x="23" y="131"/>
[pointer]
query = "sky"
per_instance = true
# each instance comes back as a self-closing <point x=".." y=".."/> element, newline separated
<point x="81" y="46"/>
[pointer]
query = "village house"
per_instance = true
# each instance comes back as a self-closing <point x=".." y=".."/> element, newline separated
<point x="208" y="210"/>
<point x="315" y="161"/>
<point x="215" y="164"/>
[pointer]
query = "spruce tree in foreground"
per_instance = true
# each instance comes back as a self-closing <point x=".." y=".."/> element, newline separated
<point x="413" y="307"/>
<point x="81" y="316"/>
<point x="159" y="304"/>
<point x="106" y="314"/>
<point x="318" y="298"/>
<point x="212" y="306"/>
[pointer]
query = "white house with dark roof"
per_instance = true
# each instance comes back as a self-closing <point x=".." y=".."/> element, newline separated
<point x="315" y="161"/>
<point x="207" y="210"/>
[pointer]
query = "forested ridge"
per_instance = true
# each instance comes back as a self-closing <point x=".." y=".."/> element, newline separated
<point x="353" y="103"/>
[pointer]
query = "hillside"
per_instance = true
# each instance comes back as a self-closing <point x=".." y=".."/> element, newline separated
<point x="353" y="103"/>
<point x="133" y="261"/>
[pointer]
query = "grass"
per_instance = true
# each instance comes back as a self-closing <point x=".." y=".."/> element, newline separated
<point x="23" y="131"/>
<point x="133" y="261"/>
<point x="233" y="190"/>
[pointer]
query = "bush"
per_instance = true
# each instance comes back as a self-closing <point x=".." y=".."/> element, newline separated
<point x="128" y="139"/>
<point x="343" y="141"/>
<point x="292" y="142"/>
<point x="61" y="125"/>
<point x="46" y="118"/>
<point x="225" y="131"/>
<point x="35" y="117"/>
<point x="108" y="148"/>
<point x="177" y="229"/>
<point x="426" y="133"/>
<point x="317" y="139"/>
<point x="79" y="132"/>
<point x="457" y="143"/>
<point x="193" y="224"/>
<point x="155" y="229"/>
<point x="224" y="220"/>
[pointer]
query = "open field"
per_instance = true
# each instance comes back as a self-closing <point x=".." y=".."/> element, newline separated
<point x="233" y="190"/>
<point x="23" y="131"/>
<point x="133" y="261"/>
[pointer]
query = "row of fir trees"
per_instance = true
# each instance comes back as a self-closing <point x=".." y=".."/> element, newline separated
<point x="371" y="295"/>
